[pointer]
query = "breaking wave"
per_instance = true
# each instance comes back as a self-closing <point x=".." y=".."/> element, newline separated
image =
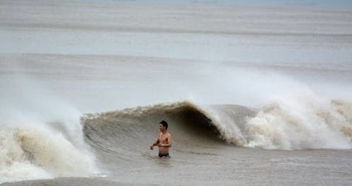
<point x="37" y="153"/>
<point x="288" y="125"/>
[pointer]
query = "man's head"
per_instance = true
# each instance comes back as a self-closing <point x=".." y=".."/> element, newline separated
<point x="163" y="126"/>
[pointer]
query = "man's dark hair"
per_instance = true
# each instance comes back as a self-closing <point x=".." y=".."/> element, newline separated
<point x="164" y="123"/>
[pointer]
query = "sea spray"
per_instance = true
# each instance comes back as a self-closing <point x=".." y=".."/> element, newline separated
<point x="40" y="134"/>
<point x="29" y="153"/>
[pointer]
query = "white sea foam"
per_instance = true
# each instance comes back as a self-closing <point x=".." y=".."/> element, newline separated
<point x="40" y="135"/>
<point x="301" y="124"/>
<point x="40" y="153"/>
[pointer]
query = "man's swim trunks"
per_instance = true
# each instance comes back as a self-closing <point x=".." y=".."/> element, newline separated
<point x="164" y="155"/>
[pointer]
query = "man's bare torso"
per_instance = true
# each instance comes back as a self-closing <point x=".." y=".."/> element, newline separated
<point x="164" y="139"/>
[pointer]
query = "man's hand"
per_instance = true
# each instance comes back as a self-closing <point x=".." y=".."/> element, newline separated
<point x="154" y="144"/>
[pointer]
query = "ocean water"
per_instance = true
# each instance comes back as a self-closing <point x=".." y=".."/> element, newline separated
<point x="254" y="94"/>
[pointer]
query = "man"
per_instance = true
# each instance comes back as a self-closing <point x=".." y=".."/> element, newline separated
<point x="164" y="140"/>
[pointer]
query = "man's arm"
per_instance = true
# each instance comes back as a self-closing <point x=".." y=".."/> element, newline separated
<point x="155" y="144"/>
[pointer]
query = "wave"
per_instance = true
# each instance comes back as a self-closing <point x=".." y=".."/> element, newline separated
<point x="37" y="153"/>
<point x="308" y="124"/>
<point x="295" y="124"/>
<point x="128" y="129"/>
<point x="121" y="137"/>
